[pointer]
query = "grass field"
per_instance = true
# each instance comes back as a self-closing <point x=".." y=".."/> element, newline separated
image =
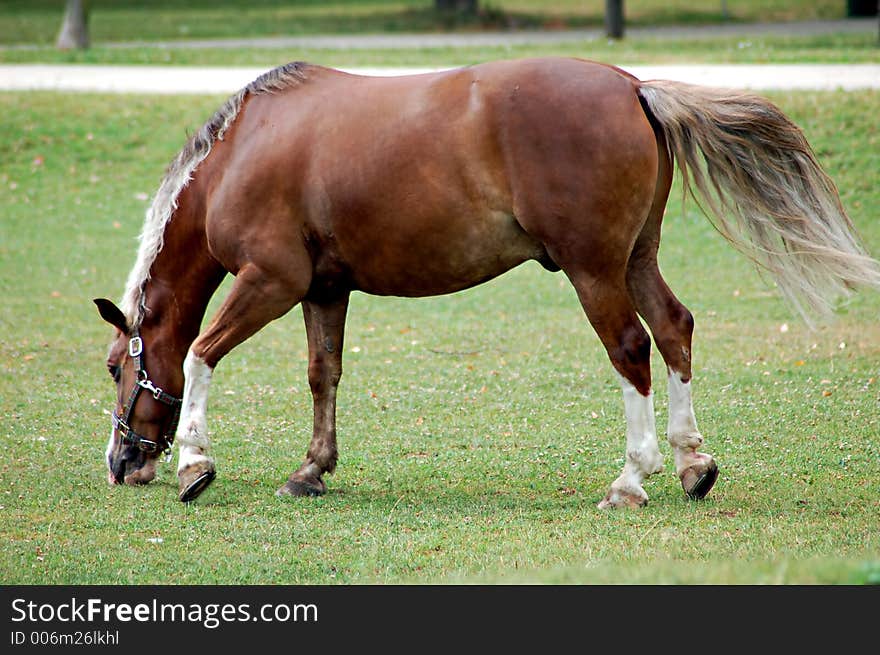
<point x="832" y="48"/>
<point x="477" y="431"/>
<point x="38" y="21"/>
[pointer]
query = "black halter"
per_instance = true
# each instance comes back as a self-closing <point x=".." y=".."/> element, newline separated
<point x="121" y="421"/>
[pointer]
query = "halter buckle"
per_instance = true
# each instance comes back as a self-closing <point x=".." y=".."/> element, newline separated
<point x="135" y="346"/>
<point x="147" y="445"/>
<point x="147" y="384"/>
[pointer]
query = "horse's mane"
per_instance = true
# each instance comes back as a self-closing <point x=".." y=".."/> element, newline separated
<point x="179" y="174"/>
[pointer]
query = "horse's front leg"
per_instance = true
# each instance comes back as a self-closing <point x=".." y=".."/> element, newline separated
<point x="325" y="328"/>
<point x="256" y="298"/>
<point x="195" y="469"/>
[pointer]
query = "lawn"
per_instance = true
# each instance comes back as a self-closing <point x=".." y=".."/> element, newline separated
<point x="129" y="25"/>
<point x="477" y="431"/>
<point x="38" y="21"/>
<point x="830" y="48"/>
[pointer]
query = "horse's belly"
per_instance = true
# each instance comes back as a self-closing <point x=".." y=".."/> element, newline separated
<point x="438" y="257"/>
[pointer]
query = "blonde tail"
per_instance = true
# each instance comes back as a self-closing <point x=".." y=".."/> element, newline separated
<point x="762" y="188"/>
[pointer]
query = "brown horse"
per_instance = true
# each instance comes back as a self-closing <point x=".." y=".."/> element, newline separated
<point x="311" y="183"/>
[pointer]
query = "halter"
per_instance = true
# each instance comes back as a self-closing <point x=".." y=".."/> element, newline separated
<point x="121" y="422"/>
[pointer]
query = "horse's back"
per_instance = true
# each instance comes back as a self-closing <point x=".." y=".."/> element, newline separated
<point x="424" y="184"/>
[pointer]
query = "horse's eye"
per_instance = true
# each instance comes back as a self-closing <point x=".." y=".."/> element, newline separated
<point x="115" y="372"/>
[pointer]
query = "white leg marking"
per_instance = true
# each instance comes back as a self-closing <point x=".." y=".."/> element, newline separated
<point x="642" y="452"/>
<point x="192" y="432"/>
<point x="681" y="407"/>
<point x="682" y="432"/>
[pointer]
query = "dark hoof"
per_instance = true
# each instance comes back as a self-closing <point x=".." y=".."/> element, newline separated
<point x="194" y="480"/>
<point x="311" y="487"/>
<point x="699" y="479"/>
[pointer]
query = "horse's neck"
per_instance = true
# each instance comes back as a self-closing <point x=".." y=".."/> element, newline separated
<point x="183" y="278"/>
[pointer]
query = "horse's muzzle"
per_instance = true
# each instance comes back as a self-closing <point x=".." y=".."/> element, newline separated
<point x="136" y="470"/>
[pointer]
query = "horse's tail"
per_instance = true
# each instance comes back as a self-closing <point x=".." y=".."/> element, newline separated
<point x="762" y="188"/>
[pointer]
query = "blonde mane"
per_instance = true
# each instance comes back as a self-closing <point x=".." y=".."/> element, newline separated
<point x="178" y="175"/>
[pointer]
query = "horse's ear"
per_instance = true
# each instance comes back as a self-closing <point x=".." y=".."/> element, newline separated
<point x="112" y="314"/>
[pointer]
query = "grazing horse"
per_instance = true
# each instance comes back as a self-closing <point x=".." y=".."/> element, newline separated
<point x="311" y="183"/>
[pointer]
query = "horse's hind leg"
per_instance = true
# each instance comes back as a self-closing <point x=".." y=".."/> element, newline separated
<point x="607" y="305"/>
<point x="594" y="257"/>
<point x="325" y="328"/>
<point x="672" y="326"/>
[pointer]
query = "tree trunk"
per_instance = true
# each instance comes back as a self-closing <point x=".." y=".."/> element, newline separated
<point x="614" y="19"/>
<point x="855" y="8"/>
<point x="464" y="6"/>
<point x="74" y="32"/>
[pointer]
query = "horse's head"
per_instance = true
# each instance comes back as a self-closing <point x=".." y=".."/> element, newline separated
<point x="145" y="417"/>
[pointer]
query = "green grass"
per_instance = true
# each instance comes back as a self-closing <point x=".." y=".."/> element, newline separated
<point x="38" y="21"/>
<point x="840" y="48"/>
<point x="477" y="431"/>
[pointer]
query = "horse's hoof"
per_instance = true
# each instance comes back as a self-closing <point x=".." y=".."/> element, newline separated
<point x="698" y="479"/>
<point x="194" y="479"/>
<point x="310" y="486"/>
<point x="622" y="498"/>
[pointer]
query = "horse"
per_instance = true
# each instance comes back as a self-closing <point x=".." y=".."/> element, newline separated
<point x="311" y="183"/>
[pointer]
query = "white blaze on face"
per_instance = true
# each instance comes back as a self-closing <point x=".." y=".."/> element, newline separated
<point x="192" y="431"/>
<point x="108" y="452"/>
